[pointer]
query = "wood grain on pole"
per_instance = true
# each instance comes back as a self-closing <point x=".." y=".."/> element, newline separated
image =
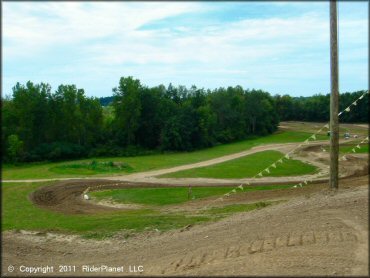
<point x="334" y="97"/>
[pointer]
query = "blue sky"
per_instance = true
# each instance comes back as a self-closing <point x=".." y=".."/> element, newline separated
<point x="280" y="47"/>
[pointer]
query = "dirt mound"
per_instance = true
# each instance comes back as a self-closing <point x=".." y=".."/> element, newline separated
<point x="66" y="196"/>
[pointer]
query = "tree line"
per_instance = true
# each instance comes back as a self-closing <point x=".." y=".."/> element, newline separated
<point x="316" y="108"/>
<point x="38" y="124"/>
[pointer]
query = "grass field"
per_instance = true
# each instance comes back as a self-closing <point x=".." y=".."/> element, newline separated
<point x="168" y="195"/>
<point x="19" y="213"/>
<point x="145" y="163"/>
<point x="247" y="167"/>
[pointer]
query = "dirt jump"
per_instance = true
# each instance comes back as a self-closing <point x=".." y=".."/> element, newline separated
<point x="315" y="232"/>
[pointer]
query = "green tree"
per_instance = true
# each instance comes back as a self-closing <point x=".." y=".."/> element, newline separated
<point x="31" y="114"/>
<point x="127" y="107"/>
<point x="15" y="148"/>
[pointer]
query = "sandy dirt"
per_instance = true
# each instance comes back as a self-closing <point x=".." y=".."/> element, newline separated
<point x="316" y="232"/>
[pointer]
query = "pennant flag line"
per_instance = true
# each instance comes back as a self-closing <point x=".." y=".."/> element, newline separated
<point x="313" y="136"/>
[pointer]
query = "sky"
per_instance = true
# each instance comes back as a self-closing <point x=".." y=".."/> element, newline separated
<point x="279" y="47"/>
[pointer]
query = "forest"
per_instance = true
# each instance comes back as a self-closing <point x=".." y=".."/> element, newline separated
<point x="40" y="124"/>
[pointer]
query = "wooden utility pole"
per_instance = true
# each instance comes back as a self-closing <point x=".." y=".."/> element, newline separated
<point x="334" y="127"/>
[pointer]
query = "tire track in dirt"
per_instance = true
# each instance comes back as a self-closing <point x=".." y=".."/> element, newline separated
<point x="267" y="244"/>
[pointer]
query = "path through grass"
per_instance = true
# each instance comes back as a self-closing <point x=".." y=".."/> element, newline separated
<point x="18" y="213"/>
<point x="248" y="166"/>
<point x="147" y="162"/>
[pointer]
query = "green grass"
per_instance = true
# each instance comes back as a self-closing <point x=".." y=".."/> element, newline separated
<point x="230" y="209"/>
<point x="348" y="148"/>
<point x="147" y="162"/>
<point x="19" y="213"/>
<point x="248" y="166"/>
<point x="170" y="195"/>
<point x="158" y="196"/>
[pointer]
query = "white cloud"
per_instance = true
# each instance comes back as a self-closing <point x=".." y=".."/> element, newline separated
<point x="229" y="43"/>
<point x="36" y="26"/>
<point x="107" y="40"/>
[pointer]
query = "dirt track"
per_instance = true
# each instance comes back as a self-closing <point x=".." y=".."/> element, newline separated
<point x="150" y="176"/>
<point x="66" y="196"/>
<point x="316" y="232"/>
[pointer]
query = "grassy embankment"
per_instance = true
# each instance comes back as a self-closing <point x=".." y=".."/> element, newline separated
<point x="19" y="213"/>
<point x="83" y="168"/>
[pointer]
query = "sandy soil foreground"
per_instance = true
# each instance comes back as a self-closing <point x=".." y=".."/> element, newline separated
<point x="316" y="232"/>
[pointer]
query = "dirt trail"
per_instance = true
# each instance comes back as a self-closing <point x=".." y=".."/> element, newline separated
<point x="67" y="196"/>
<point x="148" y="175"/>
<point x="317" y="232"/>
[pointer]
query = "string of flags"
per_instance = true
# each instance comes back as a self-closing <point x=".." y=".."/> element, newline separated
<point x="353" y="150"/>
<point x="288" y="156"/>
<point x="343" y="158"/>
<point x="348" y="109"/>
